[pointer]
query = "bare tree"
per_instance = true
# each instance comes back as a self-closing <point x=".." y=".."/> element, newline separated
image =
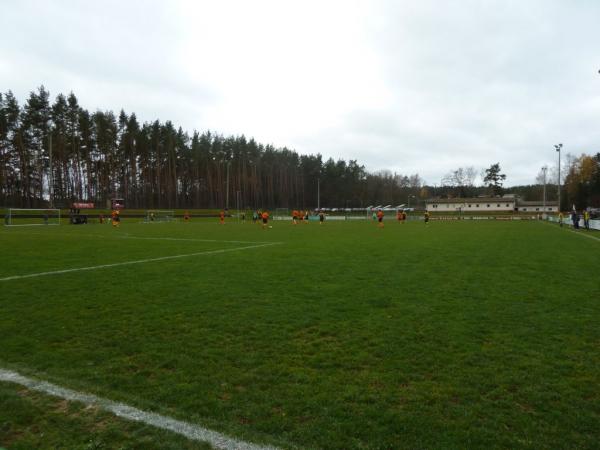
<point x="461" y="177"/>
<point x="542" y="176"/>
<point x="415" y="181"/>
<point x="470" y="174"/>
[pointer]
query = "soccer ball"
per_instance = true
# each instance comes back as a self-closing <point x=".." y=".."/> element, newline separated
<point x="270" y="226"/>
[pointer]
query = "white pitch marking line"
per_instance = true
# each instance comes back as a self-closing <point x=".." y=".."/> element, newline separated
<point x="578" y="233"/>
<point x="127" y="236"/>
<point x="32" y="225"/>
<point x="189" y="430"/>
<point x="139" y="261"/>
<point x="196" y="240"/>
<point x="584" y="234"/>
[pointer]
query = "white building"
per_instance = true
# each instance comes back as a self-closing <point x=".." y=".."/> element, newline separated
<point x="476" y="204"/>
<point x="508" y="203"/>
<point x="539" y="207"/>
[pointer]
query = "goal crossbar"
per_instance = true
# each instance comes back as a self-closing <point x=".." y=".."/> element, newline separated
<point x="23" y="217"/>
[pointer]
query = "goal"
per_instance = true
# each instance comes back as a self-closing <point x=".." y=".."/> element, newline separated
<point x="30" y="217"/>
<point x="159" y="215"/>
<point x="282" y="214"/>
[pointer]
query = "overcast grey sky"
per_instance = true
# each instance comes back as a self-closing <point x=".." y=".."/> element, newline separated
<point x="410" y="86"/>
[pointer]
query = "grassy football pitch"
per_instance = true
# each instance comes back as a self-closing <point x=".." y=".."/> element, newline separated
<point x="453" y="335"/>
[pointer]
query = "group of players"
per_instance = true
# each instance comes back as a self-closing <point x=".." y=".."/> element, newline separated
<point x="115" y="218"/>
<point x="400" y="217"/>
<point x="299" y="216"/>
<point x="262" y="216"/>
<point x="304" y="216"/>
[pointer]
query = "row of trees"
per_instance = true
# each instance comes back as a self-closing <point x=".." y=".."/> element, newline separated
<point x="61" y="152"/>
<point x="582" y="183"/>
<point x="461" y="182"/>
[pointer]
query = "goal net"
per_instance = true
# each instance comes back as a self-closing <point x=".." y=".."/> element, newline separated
<point x="159" y="215"/>
<point x="282" y="214"/>
<point x="30" y="217"/>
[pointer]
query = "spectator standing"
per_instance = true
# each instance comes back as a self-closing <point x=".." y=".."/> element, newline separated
<point x="575" y="219"/>
<point x="586" y="219"/>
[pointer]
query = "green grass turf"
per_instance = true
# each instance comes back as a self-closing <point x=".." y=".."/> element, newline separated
<point x="452" y="335"/>
<point x="29" y="420"/>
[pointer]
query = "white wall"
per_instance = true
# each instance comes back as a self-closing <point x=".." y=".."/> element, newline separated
<point x="594" y="223"/>
<point x="537" y="208"/>
<point x="473" y="206"/>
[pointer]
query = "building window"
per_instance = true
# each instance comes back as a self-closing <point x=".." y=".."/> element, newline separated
<point x="524" y="209"/>
<point x="477" y="206"/>
<point x="469" y="206"/>
<point x="498" y="205"/>
<point x="537" y="209"/>
<point x="507" y="205"/>
<point x="488" y="205"/>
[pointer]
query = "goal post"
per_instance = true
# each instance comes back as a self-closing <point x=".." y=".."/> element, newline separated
<point x="159" y="215"/>
<point x="15" y="217"/>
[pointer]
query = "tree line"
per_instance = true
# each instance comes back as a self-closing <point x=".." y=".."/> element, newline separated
<point x="59" y="149"/>
<point x="58" y="152"/>
<point x="580" y="183"/>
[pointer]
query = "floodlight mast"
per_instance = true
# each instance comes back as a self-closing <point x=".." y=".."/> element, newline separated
<point x="51" y="172"/>
<point x="544" y="170"/>
<point x="227" y="188"/>
<point x="558" y="147"/>
<point x="318" y="194"/>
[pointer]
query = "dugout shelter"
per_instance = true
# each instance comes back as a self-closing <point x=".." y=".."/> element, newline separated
<point x="76" y="217"/>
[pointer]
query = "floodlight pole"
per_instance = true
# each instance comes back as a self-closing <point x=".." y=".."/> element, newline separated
<point x="227" y="184"/>
<point x="51" y="177"/>
<point x="87" y="196"/>
<point x="544" y="169"/>
<point x="318" y="194"/>
<point x="558" y="147"/>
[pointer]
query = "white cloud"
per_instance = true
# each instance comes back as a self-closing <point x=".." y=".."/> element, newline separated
<point x="413" y="86"/>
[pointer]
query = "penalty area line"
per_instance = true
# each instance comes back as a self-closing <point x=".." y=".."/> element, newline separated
<point x="129" y="263"/>
<point x="189" y="430"/>
<point x="152" y="238"/>
<point x="160" y="238"/>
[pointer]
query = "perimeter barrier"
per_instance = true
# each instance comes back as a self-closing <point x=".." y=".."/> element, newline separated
<point x="594" y="223"/>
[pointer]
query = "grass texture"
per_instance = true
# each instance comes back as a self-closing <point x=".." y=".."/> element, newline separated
<point x="449" y="335"/>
